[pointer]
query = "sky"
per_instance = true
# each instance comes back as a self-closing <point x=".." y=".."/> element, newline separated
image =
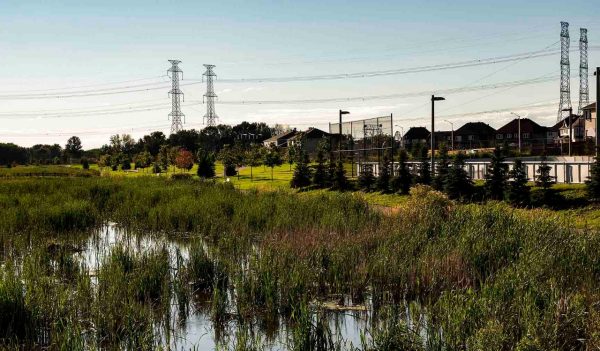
<point x="116" y="54"/>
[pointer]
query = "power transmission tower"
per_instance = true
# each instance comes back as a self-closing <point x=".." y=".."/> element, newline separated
<point x="176" y="94"/>
<point x="565" y="88"/>
<point x="584" y="96"/>
<point x="210" y="119"/>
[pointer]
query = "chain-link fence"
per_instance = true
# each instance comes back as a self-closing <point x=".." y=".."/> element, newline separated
<point x="364" y="141"/>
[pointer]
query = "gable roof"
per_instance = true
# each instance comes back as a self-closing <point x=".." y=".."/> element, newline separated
<point x="527" y="126"/>
<point x="274" y="138"/>
<point x="565" y="122"/>
<point x="475" y="128"/>
<point x="591" y="107"/>
<point x="310" y="133"/>
<point x="417" y="133"/>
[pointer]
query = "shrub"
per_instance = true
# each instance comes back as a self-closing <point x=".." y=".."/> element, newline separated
<point x="181" y="176"/>
<point x="302" y="174"/>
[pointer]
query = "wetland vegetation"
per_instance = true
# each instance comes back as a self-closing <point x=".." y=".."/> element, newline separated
<point x="154" y="263"/>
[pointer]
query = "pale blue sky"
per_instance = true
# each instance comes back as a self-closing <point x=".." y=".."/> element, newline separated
<point x="58" y="44"/>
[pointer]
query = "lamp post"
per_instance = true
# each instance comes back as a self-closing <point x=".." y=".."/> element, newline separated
<point x="519" y="130"/>
<point x="570" y="110"/>
<point x="433" y="100"/>
<point x="597" y="74"/>
<point x="340" y="139"/>
<point x="452" y="134"/>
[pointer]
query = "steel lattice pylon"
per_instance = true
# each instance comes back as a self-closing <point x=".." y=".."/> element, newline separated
<point x="176" y="94"/>
<point x="584" y="97"/>
<point x="565" y="70"/>
<point x="210" y="119"/>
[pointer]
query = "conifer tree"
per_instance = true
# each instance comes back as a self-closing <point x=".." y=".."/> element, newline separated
<point x="320" y="176"/>
<point x="424" y="174"/>
<point x="403" y="180"/>
<point x="592" y="184"/>
<point x="518" y="192"/>
<point x="458" y="184"/>
<point x="340" y="182"/>
<point x="442" y="169"/>
<point x="545" y="181"/>
<point x="383" y="178"/>
<point x="206" y="164"/>
<point x="497" y="176"/>
<point x="302" y="173"/>
<point x="366" y="179"/>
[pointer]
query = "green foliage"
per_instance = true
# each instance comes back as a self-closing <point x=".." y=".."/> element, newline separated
<point x="272" y="159"/>
<point x="592" y="184"/>
<point x="424" y="173"/>
<point x="497" y="176"/>
<point x="206" y="164"/>
<point x="320" y="175"/>
<point x="457" y="183"/>
<point x="403" y="180"/>
<point x="442" y="169"/>
<point x="366" y="179"/>
<point x="518" y="192"/>
<point x="384" y="176"/>
<point x="302" y="174"/>
<point x="545" y="181"/>
<point x="339" y="180"/>
<point x="85" y="164"/>
<point x="156" y="169"/>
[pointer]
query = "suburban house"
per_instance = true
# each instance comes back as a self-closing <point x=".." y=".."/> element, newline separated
<point x="589" y="115"/>
<point x="564" y="128"/>
<point x="443" y="138"/>
<point x="415" y="135"/>
<point x="308" y="140"/>
<point x="533" y="135"/>
<point x="280" y="140"/>
<point x="474" y="135"/>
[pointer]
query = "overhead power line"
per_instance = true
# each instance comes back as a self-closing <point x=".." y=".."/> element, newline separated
<point x="365" y="74"/>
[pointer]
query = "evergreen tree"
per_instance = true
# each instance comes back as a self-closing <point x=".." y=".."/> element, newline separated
<point x="383" y="178"/>
<point x="518" y="192"/>
<point x="340" y="182"/>
<point x="321" y="176"/>
<point x="403" y="180"/>
<point x="592" y="184"/>
<point x="331" y="168"/>
<point x="366" y="179"/>
<point x="443" y="167"/>
<point x="156" y="168"/>
<point x="424" y="175"/>
<point x="545" y="181"/>
<point x="497" y="176"/>
<point x="206" y="164"/>
<point x="458" y="184"/>
<point x="302" y="173"/>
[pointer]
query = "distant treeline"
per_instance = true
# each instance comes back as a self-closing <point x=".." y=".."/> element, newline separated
<point x="211" y="139"/>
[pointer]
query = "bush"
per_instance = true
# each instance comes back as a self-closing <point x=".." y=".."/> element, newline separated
<point x="85" y="163"/>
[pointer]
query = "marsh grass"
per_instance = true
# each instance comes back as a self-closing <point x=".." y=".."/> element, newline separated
<point x="483" y="276"/>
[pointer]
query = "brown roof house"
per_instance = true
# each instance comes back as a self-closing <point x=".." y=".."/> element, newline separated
<point x="309" y="140"/>
<point x="280" y="140"/>
<point x="533" y="135"/>
<point x="474" y="135"/>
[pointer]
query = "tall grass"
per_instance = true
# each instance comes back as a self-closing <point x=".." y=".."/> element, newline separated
<point x="486" y="276"/>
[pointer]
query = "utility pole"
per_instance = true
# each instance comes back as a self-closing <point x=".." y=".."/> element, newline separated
<point x="519" y="130"/>
<point x="597" y="74"/>
<point x="433" y="100"/>
<point x="565" y="70"/>
<point x="175" y="94"/>
<point x="452" y="133"/>
<point x="340" y="136"/>
<point x="570" y="119"/>
<point x="584" y="96"/>
<point x="210" y="119"/>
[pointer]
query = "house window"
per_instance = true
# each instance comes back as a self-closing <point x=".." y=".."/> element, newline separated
<point x="508" y="135"/>
<point x="499" y="136"/>
<point x="525" y="135"/>
<point x="471" y="137"/>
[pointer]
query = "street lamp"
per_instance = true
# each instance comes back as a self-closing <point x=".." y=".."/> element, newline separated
<point x="519" y="130"/>
<point x="570" y="110"/>
<point x="451" y="135"/>
<point x="340" y="139"/>
<point x="433" y="100"/>
<point x="401" y="135"/>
